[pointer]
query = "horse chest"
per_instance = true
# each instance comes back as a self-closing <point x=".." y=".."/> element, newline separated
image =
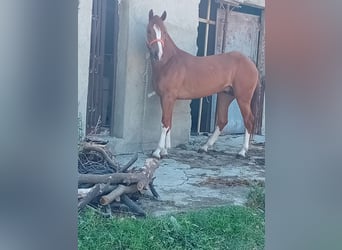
<point x="166" y="80"/>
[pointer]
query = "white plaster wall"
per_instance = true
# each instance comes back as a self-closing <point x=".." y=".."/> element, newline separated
<point x="84" y="31"/>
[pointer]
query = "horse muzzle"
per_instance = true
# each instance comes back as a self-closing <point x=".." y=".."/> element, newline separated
<point x="154" y="54"/>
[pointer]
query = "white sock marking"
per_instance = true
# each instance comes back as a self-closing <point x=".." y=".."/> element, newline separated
<point x="245" y="146"/>
<point x="168" y="139"/>
<point x="212" y="139"/>
<point x="158" y="36"/>
<point x="163" y="137"/>
<point x="161" y="150"/>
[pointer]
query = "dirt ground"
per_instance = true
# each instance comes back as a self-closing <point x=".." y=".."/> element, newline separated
<point x="189" y="180"/>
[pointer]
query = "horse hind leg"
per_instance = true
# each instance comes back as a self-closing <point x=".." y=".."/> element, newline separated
<point x="212" y="139"/>
<point x="248" y="119"/>
<point x="245" y="146"/>
<point x="223" y="102"/>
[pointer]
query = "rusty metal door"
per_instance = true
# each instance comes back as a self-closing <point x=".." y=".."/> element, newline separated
<point x="240" y="32"/>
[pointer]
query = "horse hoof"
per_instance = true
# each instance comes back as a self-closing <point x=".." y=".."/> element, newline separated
<point x="164" y="156"/>
<point x="201" y="151"/>
<point x="239" y="156"/>
<point x="156" y="155"/>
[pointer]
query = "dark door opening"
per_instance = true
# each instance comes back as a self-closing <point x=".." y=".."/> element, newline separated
<point x="102" y="70"/>
<point x="203" y="110"/>
<point x="206" y="46"/>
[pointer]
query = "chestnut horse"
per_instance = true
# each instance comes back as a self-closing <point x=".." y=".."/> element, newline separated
<point x="178" y="75"/>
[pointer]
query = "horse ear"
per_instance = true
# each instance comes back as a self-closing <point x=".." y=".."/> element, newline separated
<point x="150" y="14"/>
<point x="163" y="16"/>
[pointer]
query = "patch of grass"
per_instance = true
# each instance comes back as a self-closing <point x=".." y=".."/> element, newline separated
<point x="233" y="227"/>
<point x="256" y="198"/>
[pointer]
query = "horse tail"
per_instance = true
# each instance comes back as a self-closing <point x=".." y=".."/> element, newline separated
<point x="254" y="106"/>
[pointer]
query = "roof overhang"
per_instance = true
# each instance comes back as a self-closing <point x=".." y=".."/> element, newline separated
<point x="253" y="3"/>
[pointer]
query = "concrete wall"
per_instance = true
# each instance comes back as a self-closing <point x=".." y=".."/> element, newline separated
<point x="84" y="31"/>
<point x="137" y="118"/>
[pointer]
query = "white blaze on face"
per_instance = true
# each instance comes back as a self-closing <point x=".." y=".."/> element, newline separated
<point x="158" y="36"/>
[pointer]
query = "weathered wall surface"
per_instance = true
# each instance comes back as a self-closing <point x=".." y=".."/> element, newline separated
<point x="137" y="118"/>
<point x="84" y="31"/>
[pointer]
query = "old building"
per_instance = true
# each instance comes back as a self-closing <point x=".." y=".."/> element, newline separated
<point x="114" y="71"/>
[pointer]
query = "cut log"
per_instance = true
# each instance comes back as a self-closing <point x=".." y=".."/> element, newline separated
<point x="150" y="166"/>
<point x="143" y="177"/>
<point x="93" y="192"/>
<point x="127" y="183"/>
<point x="130" y="163"/>
<point x="116" y="178"/>
<point x="96" y="140"/>
<point x="132" y="205"/>
<point x="154" y="191"/>
<point x="116" y="193"/>
<point x="83" y="192"/>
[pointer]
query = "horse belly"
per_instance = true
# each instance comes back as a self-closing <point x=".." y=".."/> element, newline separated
<point x="201" y="89"/>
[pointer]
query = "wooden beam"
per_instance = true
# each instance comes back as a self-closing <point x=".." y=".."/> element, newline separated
<point x="202" y="20"/>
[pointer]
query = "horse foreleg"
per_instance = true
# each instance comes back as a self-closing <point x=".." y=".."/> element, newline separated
<point x="161" y="150"/>
<point x="167" y="103"/>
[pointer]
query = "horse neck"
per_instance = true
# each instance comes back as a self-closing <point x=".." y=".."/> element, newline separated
<point x="170" y="46"/>
<point x="170" y="49"/>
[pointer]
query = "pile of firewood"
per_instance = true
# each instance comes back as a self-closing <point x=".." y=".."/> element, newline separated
<point x="105" y="184"/>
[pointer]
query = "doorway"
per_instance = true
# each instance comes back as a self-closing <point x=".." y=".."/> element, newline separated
<point x="224" y="27"/>
<point x="201" y="108"/>
<point x="102" y="69"/>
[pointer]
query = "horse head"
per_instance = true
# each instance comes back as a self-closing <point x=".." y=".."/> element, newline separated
<point x="156" y="35"/>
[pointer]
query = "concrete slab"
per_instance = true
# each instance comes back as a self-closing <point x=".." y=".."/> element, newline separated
<point x="189" y="180"/>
